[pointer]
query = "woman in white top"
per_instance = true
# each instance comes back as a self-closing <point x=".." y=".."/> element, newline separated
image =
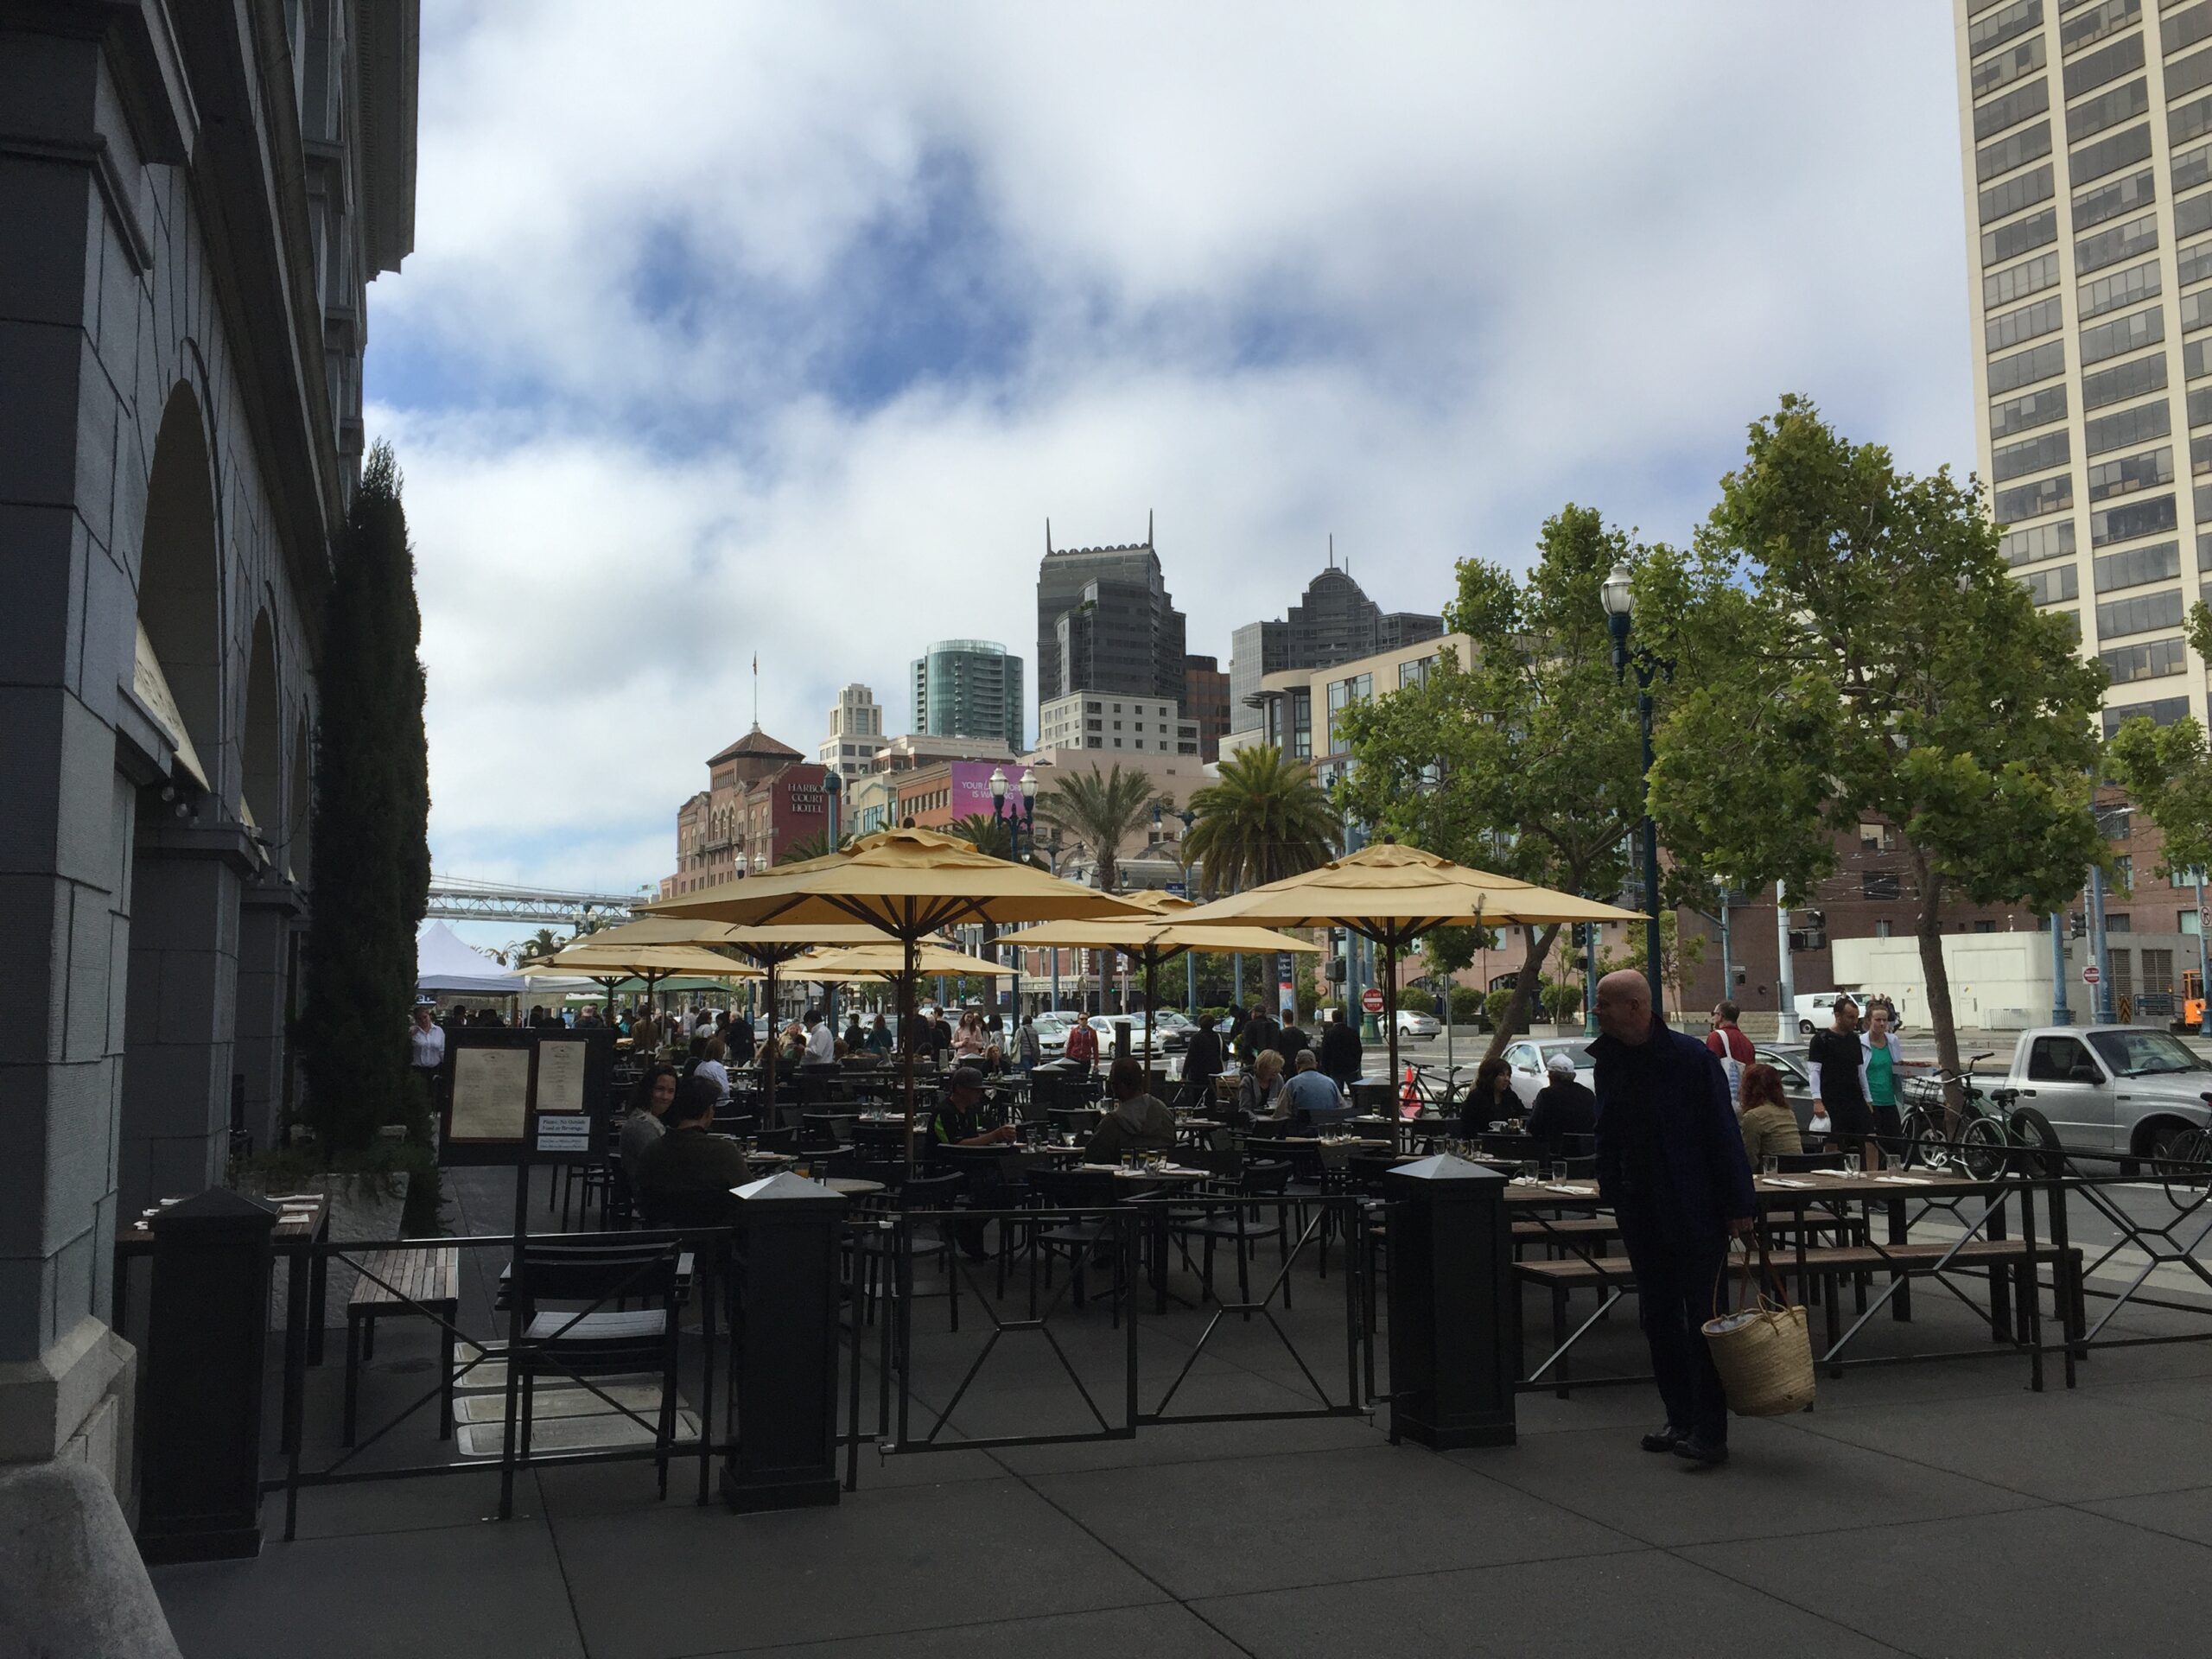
<point x="711" y="1068"/>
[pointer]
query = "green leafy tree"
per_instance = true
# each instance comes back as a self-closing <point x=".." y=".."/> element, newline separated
<point x="812" y="846"/>
<point x="1527" y="761"/>
<point x="987" y="835"/>
<point x="1099" y="811"/>
<point x="1264" y="820"/>
<point x="372" y="815"/>
<point x="1849" y="644"/>
<point x="1679" y="956"/>
<point x="2168" y="771"/>
<point x="536" y="948"/>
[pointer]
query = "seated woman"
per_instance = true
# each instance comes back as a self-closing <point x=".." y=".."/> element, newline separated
<point x="641" y="1125"/>
<point x="711" y="1067"/>
<point x="1770" y="1126"/>
<point x="1489" y="1099"/>
<point x="1138" y="1123"/>
<point x="1257" y="1089"/>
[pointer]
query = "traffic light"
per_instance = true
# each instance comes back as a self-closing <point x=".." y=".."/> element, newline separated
<point x="2076" y="925"/>
<point x="1332" y="970"/>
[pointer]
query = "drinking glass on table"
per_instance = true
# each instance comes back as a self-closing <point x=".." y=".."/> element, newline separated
<point x="1851" y="1162"/>
<point x="1531" y="1170"/>
<point x="1559" y="1169"/>
<point x="1770" y="1164"/>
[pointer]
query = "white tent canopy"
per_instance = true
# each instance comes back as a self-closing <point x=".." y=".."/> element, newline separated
<point x="444" y="966"/>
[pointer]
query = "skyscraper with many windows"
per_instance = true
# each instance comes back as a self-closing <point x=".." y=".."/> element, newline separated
<point x="2086" y="134"/>
<point x="969" y="688"/>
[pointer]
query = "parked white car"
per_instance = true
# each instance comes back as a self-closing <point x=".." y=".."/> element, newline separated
<point x="1052" y="1036"/>
<point x="1530" y="1056"/>
<point x="1411" y="1024"/>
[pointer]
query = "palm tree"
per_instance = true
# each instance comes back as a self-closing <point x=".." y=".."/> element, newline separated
<point x="989" y="834"/>
<point x="538" y="945"/>
<point x="1265" y="819"/>
<point x="1099" y="810"/>
<point x="814" y="846"/>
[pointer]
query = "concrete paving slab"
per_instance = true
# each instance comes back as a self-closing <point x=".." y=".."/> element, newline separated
<point x="487" y="1590"/>
<point x="1644" y="1602"/>
<point x="2046" y="1581"/>
<point x="1780" y="1481"/>
<point x="462" y="1499"/>
<point x="2186" y="1514"/>
<point x="1256" y="1523"/>
<point x="1165" y="1632"/>
<point x="878" y="1563"/>
<point x="2064" y="1448"/>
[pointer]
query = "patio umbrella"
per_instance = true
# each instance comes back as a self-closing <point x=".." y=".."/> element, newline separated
<point x="1394" y="895"/>
<point x="766" y="948"/>
<point x="608" y="965"/>
<point x="909" y="883"/>
<point x="887" y="961"/>
<point x="1160" y="933"/>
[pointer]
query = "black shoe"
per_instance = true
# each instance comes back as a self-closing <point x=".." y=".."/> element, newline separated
<point x="1709" y="1453"/>
<point x="1665" y="1441"/>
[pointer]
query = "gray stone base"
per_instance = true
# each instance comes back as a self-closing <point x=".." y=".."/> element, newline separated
<point x="72" y="1585"/>
<point x="72" y="1404"/>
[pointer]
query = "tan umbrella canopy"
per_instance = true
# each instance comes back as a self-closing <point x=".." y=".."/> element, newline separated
<point x="910" y="883"/>
<point x="887" y="961"/>
<point x="768" y="948"/>
<point x="1394" y="895"/>
<point x="609" y="963"/>
<point x="1160" y="933"/>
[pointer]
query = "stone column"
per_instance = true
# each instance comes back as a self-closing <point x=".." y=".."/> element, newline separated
<point x="266" y="924"/>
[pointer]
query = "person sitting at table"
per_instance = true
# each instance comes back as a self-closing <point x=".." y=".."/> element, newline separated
<point x="1138" y="1123"/>
<point x="711" y="1066"/>
<point x="1770" y="1126"/>
<point x="958" y="1122"/>
<point x="1256" y="1089"/>
<point x="1311" y="1096"/>
<point x="1489" y="1099"/>
<point x="686" y="1160"/>
<point x="643" y="1125"/>
<point x="1563" y="1107"/>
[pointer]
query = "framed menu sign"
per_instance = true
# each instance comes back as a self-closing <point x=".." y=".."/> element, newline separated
<point x="574" y="1070"/>
<point x="490" y="1075"/>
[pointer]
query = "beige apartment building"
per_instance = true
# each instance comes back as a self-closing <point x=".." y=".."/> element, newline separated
<point x="1298" y="706"/>
<point x="2087" y="140"/>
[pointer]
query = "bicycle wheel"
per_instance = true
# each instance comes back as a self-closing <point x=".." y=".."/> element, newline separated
<point x="1982" y="1147"/>
<point x="2183" y="1157"/>
<point x="1925" y="1144"/>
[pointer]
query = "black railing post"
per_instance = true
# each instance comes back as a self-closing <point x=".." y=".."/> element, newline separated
<point x="784" y="1337"/>
<point x="207" y="1324"/>
<point x="1455" y="1312"/>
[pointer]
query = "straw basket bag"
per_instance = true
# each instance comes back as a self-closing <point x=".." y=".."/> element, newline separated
<point x="1761" y="1350"/>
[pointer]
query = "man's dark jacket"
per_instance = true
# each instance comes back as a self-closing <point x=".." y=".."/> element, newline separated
<point x="1702" y="1179"/>
<point x="1340" y="1053"/>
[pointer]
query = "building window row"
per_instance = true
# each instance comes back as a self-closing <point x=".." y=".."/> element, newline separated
<point x="2108" y="155"/>
<point x="2123" y="381"/>
<point x="2130" y="240"/>
<point x="2015" y="149"/>
<point x="2038" y="542"/>
<point x="2023" y="190"/>
<point x="2147" y="471"/>
<point x="2036" y="230"/>
<point x="2185" y="28"/>
<point x="2127" y="428"/>
<point x="2094" y="69"/>
<point x="2086" y="28"/>
<point x="2049" y="586"/>
<point x="2189" y="74"/>
<point x="2030" y="99"/>
<point x="2017" y="282"/>
<point x="2003" y="68"/>
<point x="2158" y="561"/>
<point x="2145" y="614"/>
<point x="2099" y="202"/>
<point x="2038" y="408"/>
<point x="2148" y="661"/>
<point x="2109" y="109"/>
<point x="1994" y="28"/>
<point x="2119" y="290"/>
<point x="2192" y="214"/>
<point x="2161" y="711"/>
<point x="2036" y="455"/>
<point x="2131" y="520"/>
<point x="2025" y="368"/>
<point x="2123" y="334"/>
<point x="2052" y="494"/>
<point x="2032" y="321"/>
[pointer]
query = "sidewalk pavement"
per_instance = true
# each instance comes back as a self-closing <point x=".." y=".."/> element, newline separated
<point x="1935" y="1509"/>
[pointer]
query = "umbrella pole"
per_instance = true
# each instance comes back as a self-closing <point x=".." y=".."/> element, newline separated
<point x="774" y="1041"/>
<point x="1390" y="1005"/>
<point x="1151" y="996"/>
<point x="906" y="1041"/>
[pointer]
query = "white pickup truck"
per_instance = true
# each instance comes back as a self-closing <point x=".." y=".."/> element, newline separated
<point x="2122" y="1089"/>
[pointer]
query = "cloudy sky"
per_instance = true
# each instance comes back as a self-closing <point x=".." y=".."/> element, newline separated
<point x="784" y="329"/>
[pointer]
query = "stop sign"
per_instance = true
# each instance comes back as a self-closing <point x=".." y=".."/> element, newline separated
<point x="2090" y="976"/>
<point x="1371" y="999"/>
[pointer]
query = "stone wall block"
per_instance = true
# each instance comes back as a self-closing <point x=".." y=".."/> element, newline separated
<point x="32" y="908"/>
<point x="41" y="624"/>
<point x="51" y="248"/>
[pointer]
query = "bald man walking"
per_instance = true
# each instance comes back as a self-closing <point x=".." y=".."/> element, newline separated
<point x="1671" y="1163"/>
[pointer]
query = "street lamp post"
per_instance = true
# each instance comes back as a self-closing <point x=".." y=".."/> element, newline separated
<point x="1018" y="817"/>
<point x="833" y="785"/>
<point x="1618" y="597"/>
<point x="1185" y="816"/>
<point x="1051" y="849"/>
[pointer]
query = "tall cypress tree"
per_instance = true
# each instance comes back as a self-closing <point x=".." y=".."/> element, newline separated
<point x="371" y="844"/>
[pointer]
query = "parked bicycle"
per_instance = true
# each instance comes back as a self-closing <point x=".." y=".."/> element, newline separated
<point x="1444" y="1102"/>
<point x="2184" y="1162"/>
<point x="1989" y="1128"/>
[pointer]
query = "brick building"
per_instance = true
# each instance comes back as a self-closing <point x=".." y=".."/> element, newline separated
<point x="761" y="797"/>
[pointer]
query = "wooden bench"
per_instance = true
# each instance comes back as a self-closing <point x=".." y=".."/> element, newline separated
<point x="425" y="1282"/>
<point x="1829" y="1264"/>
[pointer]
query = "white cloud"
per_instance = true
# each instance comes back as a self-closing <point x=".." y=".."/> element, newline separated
<point x="1413" y="274"/>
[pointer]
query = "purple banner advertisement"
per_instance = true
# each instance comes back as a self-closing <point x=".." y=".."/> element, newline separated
<point x="971" y="785"/>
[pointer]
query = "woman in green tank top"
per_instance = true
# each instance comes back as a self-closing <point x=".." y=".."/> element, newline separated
<point x="1881" y="1078"/>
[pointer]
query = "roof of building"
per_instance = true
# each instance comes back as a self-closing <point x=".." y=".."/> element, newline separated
<point x="755" y="741"/>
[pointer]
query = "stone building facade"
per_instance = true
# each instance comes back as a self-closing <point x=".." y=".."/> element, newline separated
<point x="193" y="201"/>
